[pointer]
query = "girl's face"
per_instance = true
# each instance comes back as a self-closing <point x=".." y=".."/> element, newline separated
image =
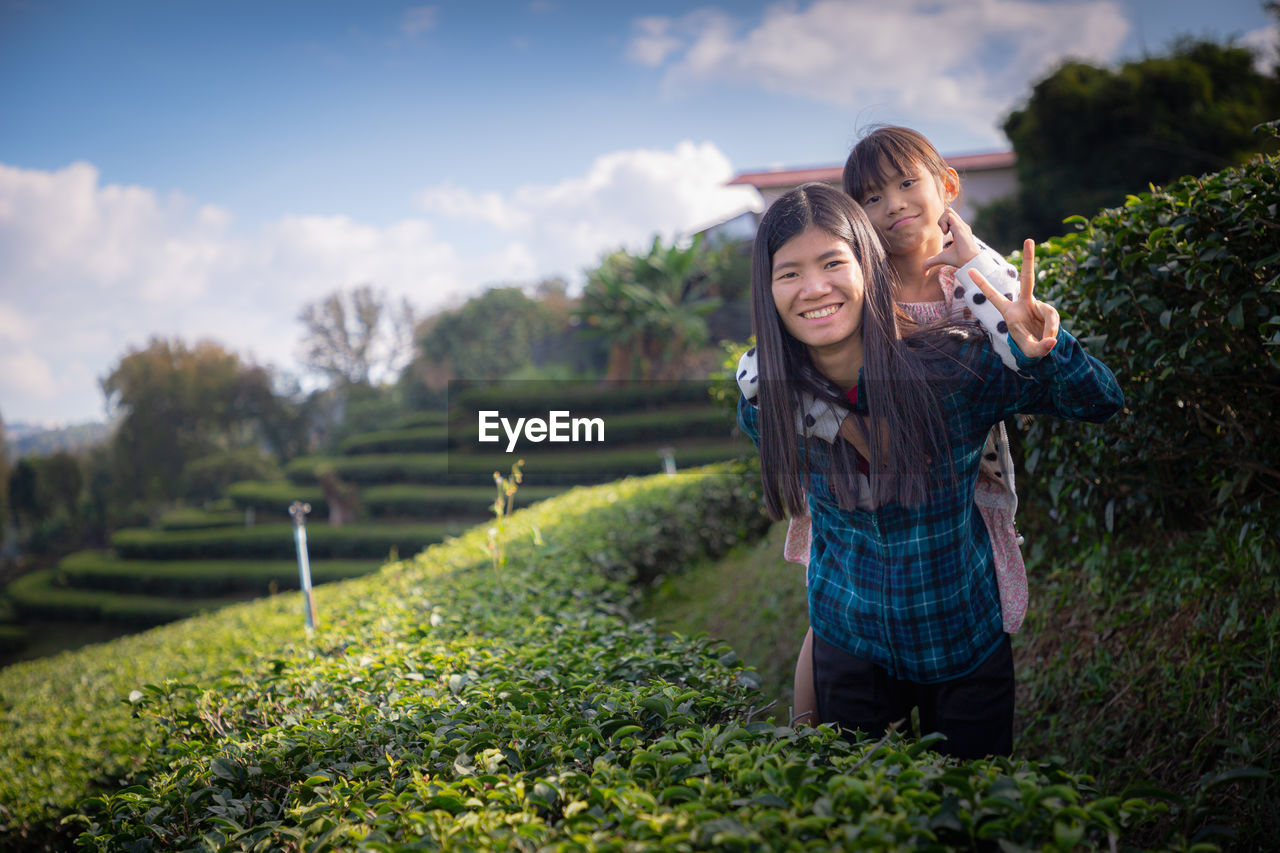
<point x="818" y="290"/>
<point x="905" y="210"/>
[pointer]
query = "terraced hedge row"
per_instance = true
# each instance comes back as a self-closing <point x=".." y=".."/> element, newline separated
<point x="265" y="496"/>
<point x="465" y="700"/>
<point x="553" y="465"/>
<point x="532" y="398"/>
<point x="95" y="570"/>
<point x="393" y="500"/>
<point x="423" y="439"/>
<point x="275" y="541"/>
<point x="43" y="594"/>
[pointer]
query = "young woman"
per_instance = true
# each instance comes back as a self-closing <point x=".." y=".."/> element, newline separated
<point x="902" y="594"/>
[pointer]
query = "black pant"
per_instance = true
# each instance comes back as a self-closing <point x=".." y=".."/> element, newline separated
<point x="975" y="711"/>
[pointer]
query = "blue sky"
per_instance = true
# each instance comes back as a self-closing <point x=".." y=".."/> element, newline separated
<point x="202" y="169"/>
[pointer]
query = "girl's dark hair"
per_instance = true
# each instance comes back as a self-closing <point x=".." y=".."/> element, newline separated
<point x="887" y="149"/>
<point x="905" y="429"/>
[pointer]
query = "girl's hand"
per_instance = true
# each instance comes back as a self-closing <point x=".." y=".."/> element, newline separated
<point x="963" y="247"/>
<point x="1033" y="325"/>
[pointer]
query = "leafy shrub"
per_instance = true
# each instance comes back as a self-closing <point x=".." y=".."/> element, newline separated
<point x="275" y="541"/>
<point x="1157" y="666"/>
<point x="95" y="570"/>
<point x="438" y="707"/>
<point x="410" y="501"/>
<point x="667" y="425"/>
<point x="190" y="518"/>
<point x="1178" y="291"/>
<point x="433" y="417"/>
<point x="44" y="594"/>
<point x="553" y="466"/>
<point x="530" y="399"/>
<point x="370" y="468"/>
<point x="13" y="638"/>
<point x="275" y="496"/>
<point x="204" y="479"/>
<point x="426" y="439"/>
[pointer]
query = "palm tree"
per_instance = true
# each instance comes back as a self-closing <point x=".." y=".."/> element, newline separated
<point x="651" y="308"/>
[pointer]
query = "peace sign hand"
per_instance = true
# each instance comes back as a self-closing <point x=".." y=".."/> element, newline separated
<point x="1032" y="324"/>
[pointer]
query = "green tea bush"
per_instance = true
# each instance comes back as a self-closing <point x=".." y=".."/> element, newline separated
<point x="1178" y="291"/>
<point x="531" y="399"/>
<point x="595" y="466"/>
<point x="44" y="594"/>
<point x="673" y="423"/>
<point x="90" y="570"/>
<point x="190" y="518"/>
<point x="275" y="496"/>
<point x="370" y="468"/>
<point x="411" y="501"/>
<point x="462" y="703"/>
<point x="583" y="465"/>
<point x="426" y="439"/>
<point x="275" y="541"/>
<point x="413" y="420"/>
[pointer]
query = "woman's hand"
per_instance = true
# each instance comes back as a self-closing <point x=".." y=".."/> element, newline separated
<point x="963" y="246"/>
<point x="1033" y="325"/>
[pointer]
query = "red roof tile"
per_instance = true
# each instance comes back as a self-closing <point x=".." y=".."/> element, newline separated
<point x="831" y="174"/>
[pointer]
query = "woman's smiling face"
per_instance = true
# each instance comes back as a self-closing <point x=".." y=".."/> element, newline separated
<point x="818" y="290"/>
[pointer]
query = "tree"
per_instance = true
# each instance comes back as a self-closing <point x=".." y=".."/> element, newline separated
<point x="177" y="404"/>
<point x="491" y="336"/>
<point x="1088" y="136"/>
<point x="357" y="337"/>
<point x="652" y="308"/>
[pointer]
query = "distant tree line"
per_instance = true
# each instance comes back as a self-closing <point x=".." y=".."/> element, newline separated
<point x="190" y="419"/>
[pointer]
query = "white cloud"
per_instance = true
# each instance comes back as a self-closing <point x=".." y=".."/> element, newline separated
<point x="652" y="42"/>
<point x="23" y="373"/>
<point x="92" y="270"/>
<point x="965" y="63"/>
<point x="418" y="20"/>
<point x="1265" y="43"/>
<point x="621" y="200"/>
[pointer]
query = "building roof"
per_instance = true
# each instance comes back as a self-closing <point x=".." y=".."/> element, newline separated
<point x="831" y="174"/>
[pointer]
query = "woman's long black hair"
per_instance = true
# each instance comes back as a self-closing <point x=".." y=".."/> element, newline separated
<point x="905" y="430"/>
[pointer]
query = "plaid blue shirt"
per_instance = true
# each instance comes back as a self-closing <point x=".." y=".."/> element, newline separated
<point x="913" y="589"/>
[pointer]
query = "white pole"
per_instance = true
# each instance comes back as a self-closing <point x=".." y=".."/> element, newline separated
<point x="299" y="512"/>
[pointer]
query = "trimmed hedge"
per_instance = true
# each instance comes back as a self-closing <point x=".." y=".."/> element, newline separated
<point x="190" y="518"/>
<point x="554" y="466"/>
<point x="275" y="541"/>
<point x="427" y="439"/>
<point x="671" y="424"/>
<point x="372" y="468"/>
<point x="96" y="570"/>
<point x="43" y="594"/>
<point x="1178" y="291"/>
<point x="587" y="466"/>
<point x="532" y="398"/>
<point x="275" y="497"/>
<point x="433" y="417"/>
<point x="466" y="700"/>
<point x="408" y="501"/>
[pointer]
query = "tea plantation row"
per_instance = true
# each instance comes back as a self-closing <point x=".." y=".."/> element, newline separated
<point x="493" y="693"/>
<point x="414" y="484"/>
